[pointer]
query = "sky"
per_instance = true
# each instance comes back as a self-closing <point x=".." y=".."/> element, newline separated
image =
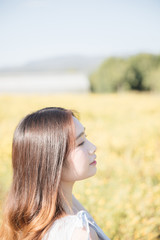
<point x="40" y="29"/>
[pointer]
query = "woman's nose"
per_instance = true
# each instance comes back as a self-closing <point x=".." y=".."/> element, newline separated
<point x="92" y="148"/>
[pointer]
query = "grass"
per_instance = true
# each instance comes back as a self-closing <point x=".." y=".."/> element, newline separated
<point x="124" y="195"/>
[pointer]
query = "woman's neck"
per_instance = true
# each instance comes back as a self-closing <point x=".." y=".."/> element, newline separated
<point x="66" y="188"/>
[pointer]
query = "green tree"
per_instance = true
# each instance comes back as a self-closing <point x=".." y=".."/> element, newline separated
<point x="110" y="76"/>
<point x="153" y="79"/>
<point x="133" y="73"/>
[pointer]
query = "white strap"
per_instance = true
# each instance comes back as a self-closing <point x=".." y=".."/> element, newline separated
<point x="82" y="215"/>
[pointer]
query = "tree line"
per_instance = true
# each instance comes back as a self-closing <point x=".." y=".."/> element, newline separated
<point x="139" y="72"/>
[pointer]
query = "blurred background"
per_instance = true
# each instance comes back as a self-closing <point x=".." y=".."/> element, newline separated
<point x="101" y="58"/>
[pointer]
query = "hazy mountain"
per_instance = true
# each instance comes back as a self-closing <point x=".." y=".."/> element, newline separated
<point x="60" y="64"/>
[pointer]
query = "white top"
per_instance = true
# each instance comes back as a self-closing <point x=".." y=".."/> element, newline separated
<point x="62" y="229"/>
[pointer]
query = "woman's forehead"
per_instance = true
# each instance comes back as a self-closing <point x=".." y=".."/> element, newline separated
<point x="78" y="126"/>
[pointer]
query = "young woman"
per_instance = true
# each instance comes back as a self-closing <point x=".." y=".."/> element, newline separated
<point x="50" y="152"/>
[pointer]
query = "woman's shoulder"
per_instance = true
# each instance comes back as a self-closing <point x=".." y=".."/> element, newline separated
<point x="79" y="219"/>
<point x="81" y="224"/>
<point x="81" y="233"/>
<point x="69" y="225"/>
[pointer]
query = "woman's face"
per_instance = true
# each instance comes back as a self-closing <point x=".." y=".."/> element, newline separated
<point x="81" y="161"/>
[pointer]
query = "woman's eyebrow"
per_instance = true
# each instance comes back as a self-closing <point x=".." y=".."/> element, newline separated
<point x="80" y="134"/>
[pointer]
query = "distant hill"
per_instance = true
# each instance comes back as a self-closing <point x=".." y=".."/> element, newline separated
<point x="76" y="63"/>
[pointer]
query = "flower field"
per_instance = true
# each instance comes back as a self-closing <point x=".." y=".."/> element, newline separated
<point x="124" y="195"/>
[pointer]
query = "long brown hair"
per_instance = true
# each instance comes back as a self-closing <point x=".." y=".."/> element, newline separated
<point x="41" y="145"/>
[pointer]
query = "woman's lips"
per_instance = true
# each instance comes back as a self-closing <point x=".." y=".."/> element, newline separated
<point x="94" y="162"/>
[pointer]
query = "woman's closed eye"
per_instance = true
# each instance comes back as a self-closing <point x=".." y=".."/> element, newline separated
<point x="82" y="142"/>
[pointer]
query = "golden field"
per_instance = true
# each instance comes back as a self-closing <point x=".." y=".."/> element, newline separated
<point x="124" y="195"/>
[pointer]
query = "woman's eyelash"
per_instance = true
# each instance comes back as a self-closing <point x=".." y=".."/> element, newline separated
<point x="82" y="142"/>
